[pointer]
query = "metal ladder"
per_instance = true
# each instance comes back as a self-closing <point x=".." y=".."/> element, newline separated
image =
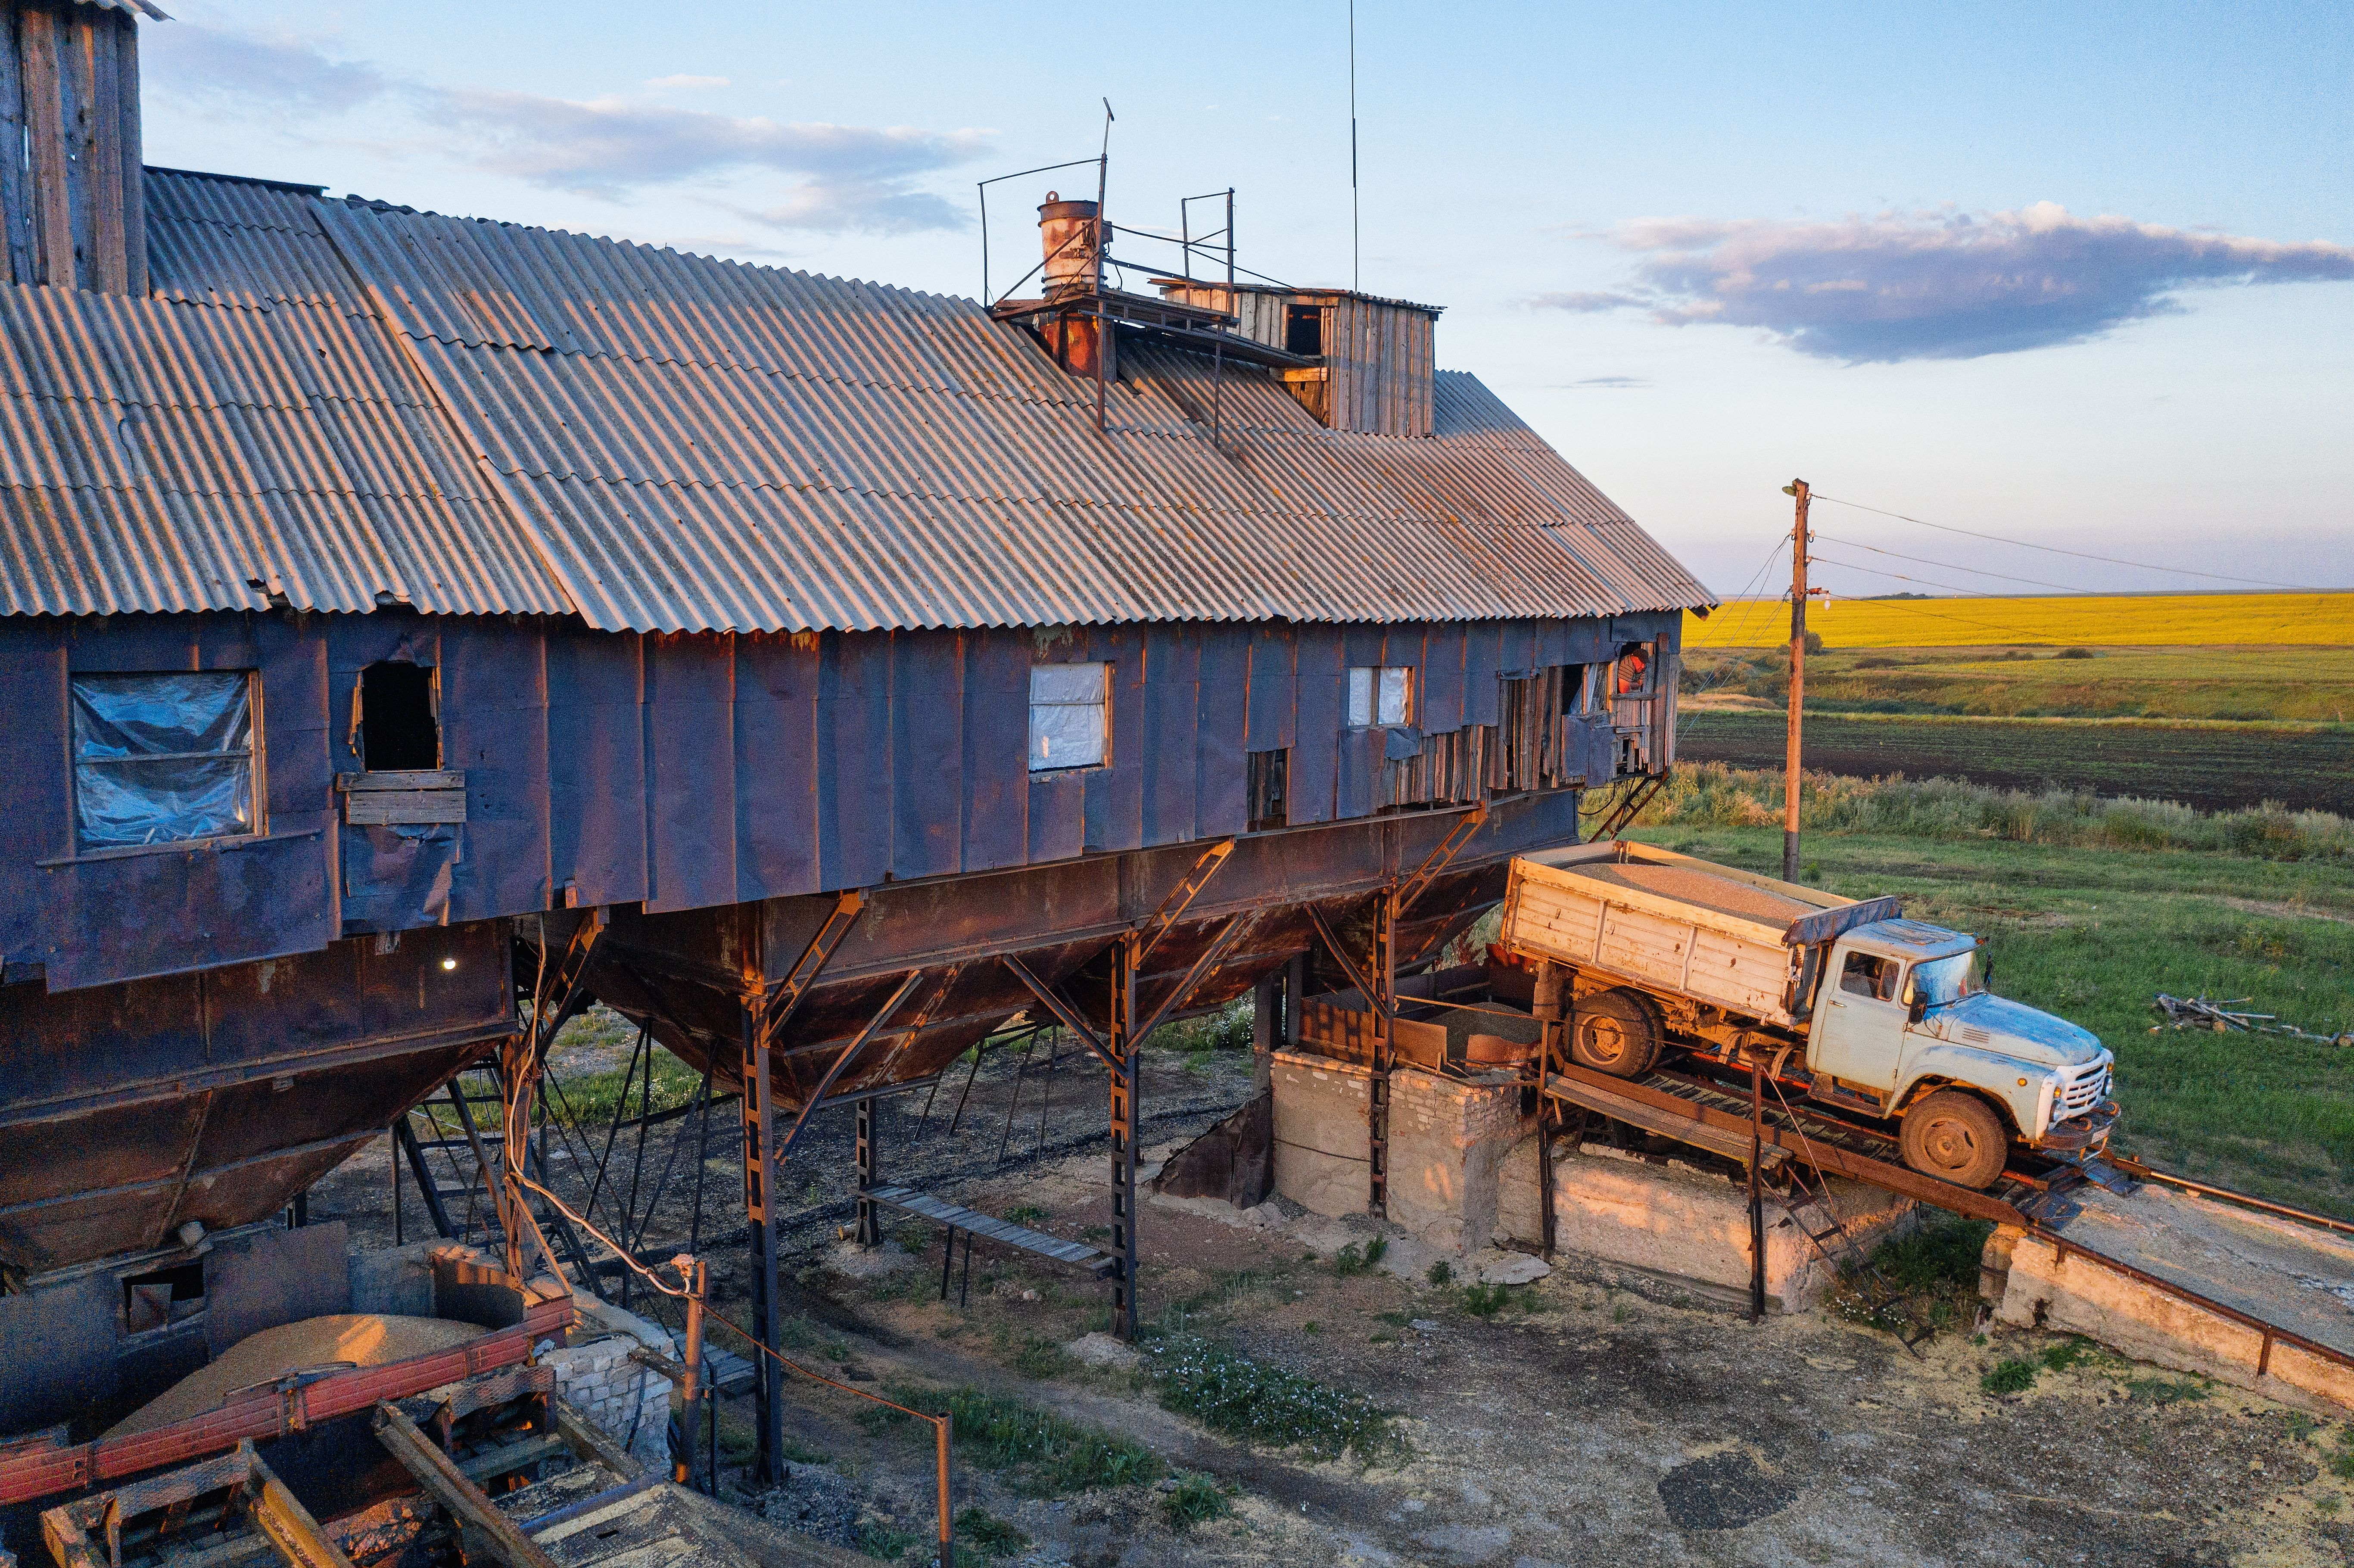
<point x="1838" y="1247"/>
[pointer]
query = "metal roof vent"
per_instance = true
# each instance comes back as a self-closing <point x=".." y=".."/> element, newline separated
<point x="1072" y="235"/>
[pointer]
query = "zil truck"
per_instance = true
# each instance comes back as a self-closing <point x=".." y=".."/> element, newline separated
<point x="1641" y="953"/>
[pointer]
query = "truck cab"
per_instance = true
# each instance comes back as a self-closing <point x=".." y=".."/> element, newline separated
<point x="1903" y="1026"/>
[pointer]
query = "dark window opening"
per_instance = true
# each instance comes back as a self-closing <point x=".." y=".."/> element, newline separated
<point x="1303" y="330"/>
<point x="1269" y="784"/>
<point x="400" y="722"/>
<point x="162" y="1296"/>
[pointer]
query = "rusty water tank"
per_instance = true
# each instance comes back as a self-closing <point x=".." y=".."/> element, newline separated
<point x="1069" y="232"/>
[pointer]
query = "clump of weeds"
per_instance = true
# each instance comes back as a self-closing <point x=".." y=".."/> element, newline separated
<point x="990" y="1536"/>
<point x="1354" y="1259"/>
<point x="1037" y="1451"/>
<point x="1231" y="1393"/>
<point x="1195" y="1499"/>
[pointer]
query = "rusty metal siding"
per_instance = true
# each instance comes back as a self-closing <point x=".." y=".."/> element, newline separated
<point x="688" y="771"/>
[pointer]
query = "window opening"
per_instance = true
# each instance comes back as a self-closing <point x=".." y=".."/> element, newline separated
<point x="1303" y="330"/>
<point x="162" y="1296"/>
<point x="1069" y="723"/>
<point x="1380" y="695"/>
<point x="1867" y="974"/>
<point x="159" y="758"/>
<point x="400" y="717"/>
<point x="1589" y="691"/>
<point x="1634" y="669"/>
<point x="1269" y="780"/>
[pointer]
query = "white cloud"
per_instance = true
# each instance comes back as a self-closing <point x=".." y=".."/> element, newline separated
<point x="847" y="177"/>
<point x="1936" y="285"/>
<point x="218" y="67"/>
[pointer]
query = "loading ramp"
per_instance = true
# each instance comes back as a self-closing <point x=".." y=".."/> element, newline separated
<point x="2237" y="1275"/>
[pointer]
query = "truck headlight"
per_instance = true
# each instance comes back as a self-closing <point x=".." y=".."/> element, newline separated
<point x="2046" y="1095"/>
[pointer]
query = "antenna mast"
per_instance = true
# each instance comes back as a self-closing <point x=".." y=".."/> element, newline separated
<point x="1354" y="283"/>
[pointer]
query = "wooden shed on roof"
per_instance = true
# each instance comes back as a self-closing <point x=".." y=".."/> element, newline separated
<point x="1375" y="357"/>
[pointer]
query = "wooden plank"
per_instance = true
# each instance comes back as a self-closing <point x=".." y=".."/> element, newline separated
<point x="76" y="93"/>
<point x="448" y="1486"/>
<point x="44" y="136"/>
<point x="16" y="189"/>
<point x="395" y="778"/>
<point x="405" y="808"/>
<point x="128" y="138"/>
<point x="94" y="39"/>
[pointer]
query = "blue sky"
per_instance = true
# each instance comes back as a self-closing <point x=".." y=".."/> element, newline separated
<point x="2077" y="274"/>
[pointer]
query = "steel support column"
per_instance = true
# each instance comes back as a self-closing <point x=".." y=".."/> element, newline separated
<point x="870" y="1222"/>
<point x="759" y="1172"/>
<point x="1123" y="1078"/>
<point x="1384" y="1008"/>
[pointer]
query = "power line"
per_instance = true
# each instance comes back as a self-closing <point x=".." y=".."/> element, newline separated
<point x="1900" y="576"/>
<point x="1947" y="566"/>
<point x="2080" y="555"/>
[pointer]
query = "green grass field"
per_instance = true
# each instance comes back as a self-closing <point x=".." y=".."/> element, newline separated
<point x="2305" y="685"/>
<point x="2081" y="923"/>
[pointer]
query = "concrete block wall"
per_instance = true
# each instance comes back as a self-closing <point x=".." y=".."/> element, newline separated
<point x="2034" y="1283"/>
<point x="1449" y="1139"/>
<point x="1323" y="1133"/>
<point x="627" y="1398"/>
<point x="1677" y="1222"/>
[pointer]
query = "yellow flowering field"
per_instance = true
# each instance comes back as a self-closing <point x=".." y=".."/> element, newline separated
<point x="2144" y="620"/>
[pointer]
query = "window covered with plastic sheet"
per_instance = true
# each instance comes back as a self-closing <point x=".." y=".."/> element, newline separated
<point x="1068" y="726"/>
<point x="161" y="758"/>
<point x="1380" y="696"/>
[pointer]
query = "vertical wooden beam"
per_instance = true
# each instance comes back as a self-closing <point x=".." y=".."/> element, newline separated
<point x="77" y="92"/>
<point x="15" y="190"/>
<point x="45" y="138"/>
<point x="129" y="145"/>
<point x="94" y="36"/>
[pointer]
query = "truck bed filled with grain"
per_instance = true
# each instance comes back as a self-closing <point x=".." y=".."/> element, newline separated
<point x="1714" y="933"/>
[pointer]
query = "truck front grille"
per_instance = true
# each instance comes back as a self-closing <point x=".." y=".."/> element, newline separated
<point x="2082" y="1093"/>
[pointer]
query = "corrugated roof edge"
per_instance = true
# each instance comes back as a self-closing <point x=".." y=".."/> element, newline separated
<point x="293" y="187"/>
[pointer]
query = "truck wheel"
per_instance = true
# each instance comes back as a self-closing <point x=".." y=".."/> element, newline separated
<point x="1615" y="1032"/>
<point x="1956" y="1137"/>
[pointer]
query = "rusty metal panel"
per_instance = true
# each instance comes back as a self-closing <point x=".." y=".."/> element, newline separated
<point x="777" y="763"/>
<point x="1170" y="719"/>
<point x="261" y="1279"/>
<point x="996" y="805"/>
<point x="155" y="911"/>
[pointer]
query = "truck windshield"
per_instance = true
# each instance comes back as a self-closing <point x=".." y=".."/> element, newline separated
<point x="1937" y="981"/>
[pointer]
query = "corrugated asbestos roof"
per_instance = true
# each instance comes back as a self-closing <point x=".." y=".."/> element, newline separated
<point x="338" y="406"/>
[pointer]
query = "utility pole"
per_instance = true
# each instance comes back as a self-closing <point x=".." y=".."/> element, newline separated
<point x="1798" y="540"/>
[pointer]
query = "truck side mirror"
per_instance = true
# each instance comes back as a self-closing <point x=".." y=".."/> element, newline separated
<point x="1918" y="1011"/>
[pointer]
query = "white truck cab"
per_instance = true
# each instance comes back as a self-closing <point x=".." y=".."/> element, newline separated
<point x="1901" y="1022"/>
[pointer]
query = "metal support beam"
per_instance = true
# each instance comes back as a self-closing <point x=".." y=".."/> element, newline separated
<point x="786" y="996"/>
<point x="759" y="1168"/>
<point x="870" y="1223"/>
<point x="1064" y="1013"/>
<point x="1442" y="855"/>
<point x="1123" y="1080"/>
<point x="1172" y="908"/>
<point x="1384" y="1006"/>
<point x="1356" y="976"/>
<point x="1205" y="966"/>
<point x="816" y="1096"/>
<point x="766" y="1013"/>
